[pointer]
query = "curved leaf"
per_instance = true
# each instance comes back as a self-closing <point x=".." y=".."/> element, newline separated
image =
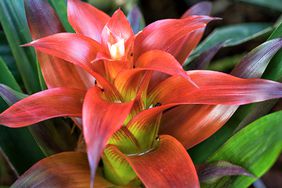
<point x="231" y="36"/>
<point x="12" y="18"/>
<point x="136" y="19"/>
<point x="157" y="168"/>
<point x="68" y="169"/>
<point x="256" y="147"/>
<point x="44" y="105"/>
<point x="99" y="124"/>
<point x="202" y="8"/>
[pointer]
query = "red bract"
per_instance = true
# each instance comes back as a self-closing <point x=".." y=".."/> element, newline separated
<point x="140" y="88"/>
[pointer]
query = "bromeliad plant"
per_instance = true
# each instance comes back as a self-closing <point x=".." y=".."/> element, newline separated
<point x="138" y="109"/>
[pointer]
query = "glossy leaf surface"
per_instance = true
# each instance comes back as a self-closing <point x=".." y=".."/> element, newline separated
<point x="256" y="147"/>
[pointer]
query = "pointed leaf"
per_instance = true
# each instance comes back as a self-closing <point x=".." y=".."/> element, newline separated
<point x="6" y="76"/>
<point x="58" y="102"/>
<point x="12" y="18"/>
<point x="43" y="22"/>
<point x="209" y="173"/>
<point x="259" y="55"/>
<point x="175" y="36"/>
<point x="202" y="8"/>
<point x="76" y="49"/>
<point x="215" y="88"/>
<point x="212" y="117"/>
<point x="231" y="36"/>
<point x="117" y="27"/>
<point x="136" y="19"/>
<point x="200" y="153"/>
<point x="202" y="62"/>
<point x="86" y="19"/>
<point x="9" y="95"/>
<point x="61" y="9"/>
<point x="68" y="169"/>
<point x="160" y="61"/>
<point x="99" y="125"/>
<point x="256" y="148"/>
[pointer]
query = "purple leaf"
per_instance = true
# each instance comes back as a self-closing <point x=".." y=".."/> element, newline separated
<point x="212" y="172"/>
<point x="202" y="8"/>
<point x="255" y="63"/>
<point x="136" y="19"/>
<point x="203" y="61"/>
<point x="9" y="95"/>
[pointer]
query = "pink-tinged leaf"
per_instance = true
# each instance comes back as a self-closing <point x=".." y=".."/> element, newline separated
<point x="68" y="169"/>
<point x="160" y="61"/>
<point x="195" y="123"/>
<point x="208" y="119"/>
<point x="202" y="8"/>
<point x="76" y="49"/>
<point x="57" y="102"/>
<point x="117" y="28"/>
<point x="168" y="165"/>
<point x="99" y="124"/>
<point x="43" y="21"/>
<point x="86" y="19"/>
<point x="175" y="36"/>
<point x="215" y="88"/>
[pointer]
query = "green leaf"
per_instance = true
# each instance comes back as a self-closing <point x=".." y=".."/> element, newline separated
<point x="12" y="18"/>
<point x="273" y="4"/>
<point x="61" y="10"/>
<point x="17" y="144"/>
<point x="6" y="76"/>
<point x="256" y="148"/>
<point x="6" y="55"/>
<point x="231" y="36"/>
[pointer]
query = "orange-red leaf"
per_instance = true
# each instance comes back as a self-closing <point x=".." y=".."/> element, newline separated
<point x="101" y="119"/>
<point x="43" y="21"/>
<point x="168" y="165"/>
<point x="175" y="36"/>
<point x="215" y="88"/>
<point x="86" y="19"/>
<point x="57" y="102"/>
<point x="68" y="169"/>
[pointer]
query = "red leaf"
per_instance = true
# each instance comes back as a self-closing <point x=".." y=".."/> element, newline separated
<point x="208" y="119"/>
<point x="43" y="21"/>
<point x="77" y="49"/>
<point x="117" y="27"/>
<point x="215" y="88"/>
<point x="168" y="165"/>
<point x="175" y="36"/>
<point x="68" y="169"/>
<point x="195" y="123"/>
<point x="58" y="102"/>
<point x="99" y="124"/>
<point x="160" y="61"/>
<point x="86" y="19"/>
